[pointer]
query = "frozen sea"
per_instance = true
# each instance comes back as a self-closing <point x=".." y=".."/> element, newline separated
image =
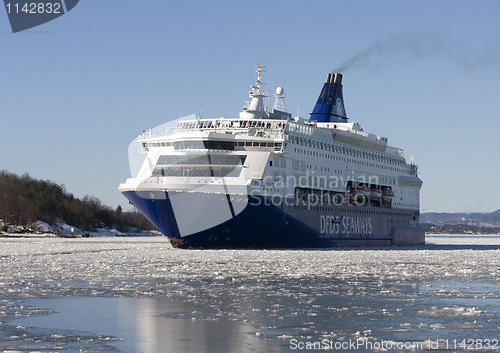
<point x="140" y="295"/>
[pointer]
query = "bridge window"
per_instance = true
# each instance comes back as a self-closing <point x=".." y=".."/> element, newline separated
<point x="199" y="144"/>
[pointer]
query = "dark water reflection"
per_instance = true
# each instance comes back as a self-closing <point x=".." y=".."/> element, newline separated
<point x="142" y="325"/>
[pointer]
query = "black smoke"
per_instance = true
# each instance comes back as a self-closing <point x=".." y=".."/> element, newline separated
<point x="409" y="48"/>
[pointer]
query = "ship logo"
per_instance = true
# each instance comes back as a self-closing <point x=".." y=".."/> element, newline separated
<point x="340" y="107"/>
<point x="25" y="14"/>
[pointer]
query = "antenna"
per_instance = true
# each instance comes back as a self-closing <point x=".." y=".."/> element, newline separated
<point x="199" y="116"/>
<point x="258" y="85"/>
<point x="268" y="99"/>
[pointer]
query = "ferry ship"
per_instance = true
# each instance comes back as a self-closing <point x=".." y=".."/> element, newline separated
<point x="269" y="180"/>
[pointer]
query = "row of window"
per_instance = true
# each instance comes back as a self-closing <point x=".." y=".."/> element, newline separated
<point x="299" y="165"/>
<point x="356" y="152"/>
<point x="279" y="161"/>
<point x="209" y="124"/>
<point x="402" y="204"/>
<point x="197" y="171"/>
<point x="156" y="144"/>
<point x="255" y="144"/>
<point x="204" y="144"/>
<point x="213" y="144"/>
<point x="344" y="159"/>
<point x="217" y="159"/>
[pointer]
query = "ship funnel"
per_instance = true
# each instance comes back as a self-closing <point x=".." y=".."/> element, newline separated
<point x="330" y="104"/>
<point x="338" y="78"/>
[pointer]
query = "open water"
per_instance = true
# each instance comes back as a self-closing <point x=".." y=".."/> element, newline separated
<point x="140" y="295"/>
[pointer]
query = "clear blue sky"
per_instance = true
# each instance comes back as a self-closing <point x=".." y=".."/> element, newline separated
<point x="75" y="91"/>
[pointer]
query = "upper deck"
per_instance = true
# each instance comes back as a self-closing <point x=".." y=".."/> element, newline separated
<point x="220" y="134"/>
<point x="270" y="128"/>
<point x="266" y="131"/>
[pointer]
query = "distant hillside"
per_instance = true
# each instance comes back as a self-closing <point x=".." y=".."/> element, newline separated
<point x="430" y="228"/>
<point x="490" y="220"/>
<point x="24" y="200"/>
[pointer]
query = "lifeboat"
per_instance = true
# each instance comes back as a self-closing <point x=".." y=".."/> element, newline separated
<point x="387" y="194"/>
<point x="358" y="199"/>
<point x="375" y="193"/>
<point x="363" y="190"/>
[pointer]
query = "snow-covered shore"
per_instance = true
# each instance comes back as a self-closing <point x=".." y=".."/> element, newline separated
<point x="64" y="230"/>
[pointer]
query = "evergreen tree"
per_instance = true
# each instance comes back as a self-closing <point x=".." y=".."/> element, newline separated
<point x="23" y="200"/>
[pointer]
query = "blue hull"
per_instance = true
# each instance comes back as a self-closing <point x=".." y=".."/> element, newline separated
<point x="262" y="224"/>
